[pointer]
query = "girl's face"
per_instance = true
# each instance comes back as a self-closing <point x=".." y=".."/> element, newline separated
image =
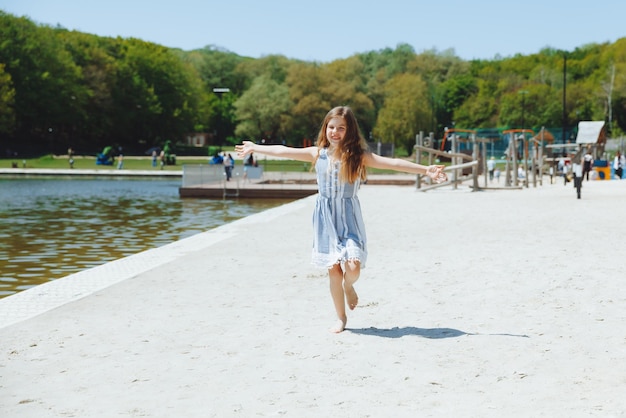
<point x="336" y="130"/>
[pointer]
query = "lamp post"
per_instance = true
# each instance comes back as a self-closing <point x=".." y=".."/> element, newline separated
<point x="564" y="95"/>
<point x="522" y="137"/>
<point x="523" y="93"/>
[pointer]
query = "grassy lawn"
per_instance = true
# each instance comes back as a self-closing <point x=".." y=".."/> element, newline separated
<point x="137" y="163"/>
<point x="61" y="162"/>
<point x="145" y="163"/>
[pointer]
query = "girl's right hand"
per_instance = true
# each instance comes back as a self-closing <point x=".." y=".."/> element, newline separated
<point x="244" y="148"/>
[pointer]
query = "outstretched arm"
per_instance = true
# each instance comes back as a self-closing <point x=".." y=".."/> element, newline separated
<point x="435" y="172"/>
<point x="307" y="154"/>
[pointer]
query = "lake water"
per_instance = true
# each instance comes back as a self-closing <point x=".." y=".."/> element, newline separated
<point x="53" y="227"/>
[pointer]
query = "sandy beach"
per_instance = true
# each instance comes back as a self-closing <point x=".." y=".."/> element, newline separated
<point x="499" y="303"/>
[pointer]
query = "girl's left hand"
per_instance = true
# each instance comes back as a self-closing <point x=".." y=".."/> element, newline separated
<point x="436" y="173"/>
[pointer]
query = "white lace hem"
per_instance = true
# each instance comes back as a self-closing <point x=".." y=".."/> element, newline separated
<point x="329" y="260"/>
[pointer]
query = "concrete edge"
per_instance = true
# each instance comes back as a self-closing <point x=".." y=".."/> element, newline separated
<point x="48" y="296"/>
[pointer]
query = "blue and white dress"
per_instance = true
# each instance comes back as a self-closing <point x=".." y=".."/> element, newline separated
<point x="338" y="228"/>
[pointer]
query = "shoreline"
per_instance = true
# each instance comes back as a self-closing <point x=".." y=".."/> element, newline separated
<point x="20" y="172"/>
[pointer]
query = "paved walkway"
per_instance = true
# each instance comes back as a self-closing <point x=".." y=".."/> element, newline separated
<point x="485" y="304"/>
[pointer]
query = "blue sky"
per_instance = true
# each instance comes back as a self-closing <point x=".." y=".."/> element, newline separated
<point x="323" y="30"/>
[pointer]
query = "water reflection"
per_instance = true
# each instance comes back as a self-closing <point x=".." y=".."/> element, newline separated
<point x="53" y="227"/>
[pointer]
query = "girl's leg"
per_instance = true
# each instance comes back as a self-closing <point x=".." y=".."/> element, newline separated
<point x="335" y="274"/>
<point x="353" y="271"/>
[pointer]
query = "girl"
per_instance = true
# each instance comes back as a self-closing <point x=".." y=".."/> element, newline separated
<point x="340" y="158"/>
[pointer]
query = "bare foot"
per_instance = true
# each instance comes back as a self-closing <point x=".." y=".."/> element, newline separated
<point x="351" y="297"/>
<point x="339" y="326"/>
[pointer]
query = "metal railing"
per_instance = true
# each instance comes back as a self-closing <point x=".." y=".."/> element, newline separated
<point x="199" y="175"/>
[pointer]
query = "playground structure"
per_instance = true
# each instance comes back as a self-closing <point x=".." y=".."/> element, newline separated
<point x="531" y="156"/>
<point x="526" y="156"/>
<point x="467" y="153"/>
<point x="458" y="169"/>
<point x="452" y="136"/>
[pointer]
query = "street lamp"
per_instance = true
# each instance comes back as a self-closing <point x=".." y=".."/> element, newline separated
<point x="523" y="93"/>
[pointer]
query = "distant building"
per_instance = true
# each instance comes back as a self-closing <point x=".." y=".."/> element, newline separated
<point x="592" y="134"/>
<point x="198" y="139"/>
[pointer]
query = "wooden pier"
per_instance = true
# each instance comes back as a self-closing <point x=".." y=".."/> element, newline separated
<point x="277" y="185"/>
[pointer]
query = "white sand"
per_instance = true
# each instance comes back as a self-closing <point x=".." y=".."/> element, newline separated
<point x="487" y="304"/>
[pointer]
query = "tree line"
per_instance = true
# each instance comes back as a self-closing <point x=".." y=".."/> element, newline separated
<point x="62" y="88"/>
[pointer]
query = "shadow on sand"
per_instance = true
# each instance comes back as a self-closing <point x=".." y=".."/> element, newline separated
<point x="432" y="333"/>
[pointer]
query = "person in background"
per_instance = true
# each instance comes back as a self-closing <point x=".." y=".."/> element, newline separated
<point x="70" y="156"/>
<point x="577" y="171"/>
<point x="248" y="162"/>
<point x="618" y="165"/>
<point x="491" y="165"/>
<point x="587" y="163"/>
<point x="229" y="162"/>
<point x="162" y="158"/>
<point x="566" y="167"/>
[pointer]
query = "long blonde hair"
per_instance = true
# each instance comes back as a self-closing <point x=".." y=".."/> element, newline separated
<point x="351" y="149"/>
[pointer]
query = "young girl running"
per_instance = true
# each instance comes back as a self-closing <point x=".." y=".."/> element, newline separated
<point x="341" y="159"/>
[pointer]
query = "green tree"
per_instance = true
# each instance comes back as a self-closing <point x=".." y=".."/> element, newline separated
<point x="93" y="120"/>
<point x="382" y="65"/>
<point x="343" y="83"/>
<point x="316" y="88"/>
<point x="60" y="88"/>
<point x="261" y="108"/>
<point x="216" y="68"/>
<point x="7" y="101"/>
<point x="45" y="80"/>
<point x="449" y="96"/>
<point x="405" y="112"/>
<point x="275" y="67"/>
<point x="530" y="107"/>
<point x="305" y="81"/>
<point x="154" y="95"/>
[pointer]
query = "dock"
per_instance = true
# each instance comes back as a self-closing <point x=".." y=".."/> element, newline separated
<point x="207" y="182"/>
<point x="268" y="185"/>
